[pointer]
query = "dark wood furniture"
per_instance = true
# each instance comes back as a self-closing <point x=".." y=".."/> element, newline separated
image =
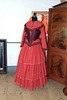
<point x="57" y="45"/>
<point x="3" y="56"/>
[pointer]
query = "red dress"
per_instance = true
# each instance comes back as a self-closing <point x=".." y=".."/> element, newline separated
<point x="31" y="67"/>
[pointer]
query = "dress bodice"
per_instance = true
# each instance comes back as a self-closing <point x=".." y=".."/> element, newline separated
<point x="32" y="34"/>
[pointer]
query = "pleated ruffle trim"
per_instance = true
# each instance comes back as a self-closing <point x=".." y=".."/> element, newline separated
<point x="31" y="76"/>
<point x="30" y="83"/>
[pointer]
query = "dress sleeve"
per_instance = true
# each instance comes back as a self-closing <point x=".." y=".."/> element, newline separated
<point x="43" y="38"/>
<point x="23" y="37"/>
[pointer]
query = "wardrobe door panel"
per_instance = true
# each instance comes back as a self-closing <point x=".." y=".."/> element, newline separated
<point x="59" y="17"/>
<point x="59" y="37"/>
<point x="57" y="67"/>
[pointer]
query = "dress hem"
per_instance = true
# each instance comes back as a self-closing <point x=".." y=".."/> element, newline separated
<point x="31" y="84"/>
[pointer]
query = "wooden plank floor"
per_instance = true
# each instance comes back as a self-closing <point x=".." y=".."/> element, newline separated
<point x="10" y="91"/>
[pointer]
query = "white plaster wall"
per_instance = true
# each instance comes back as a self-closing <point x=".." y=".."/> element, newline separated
<point x="13" y="53"/>
<point x="13" y="15"/>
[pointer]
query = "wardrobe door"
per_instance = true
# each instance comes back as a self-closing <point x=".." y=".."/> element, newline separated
<point x="57" y="44"/>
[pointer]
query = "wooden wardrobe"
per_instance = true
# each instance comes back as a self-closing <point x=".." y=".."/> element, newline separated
<point x="57" y="44"/>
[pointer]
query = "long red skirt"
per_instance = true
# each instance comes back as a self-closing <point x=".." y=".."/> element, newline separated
<point x="31" y="67"/>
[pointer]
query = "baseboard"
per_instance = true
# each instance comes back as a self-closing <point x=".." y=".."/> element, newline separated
<point x="11" y="68"/>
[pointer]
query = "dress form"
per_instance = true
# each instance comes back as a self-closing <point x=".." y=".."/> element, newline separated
<point x="34" y="17"/>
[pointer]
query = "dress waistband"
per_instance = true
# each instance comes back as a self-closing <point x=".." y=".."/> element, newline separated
<point x="32" y="43"/>
<point x="36" y="42"/>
